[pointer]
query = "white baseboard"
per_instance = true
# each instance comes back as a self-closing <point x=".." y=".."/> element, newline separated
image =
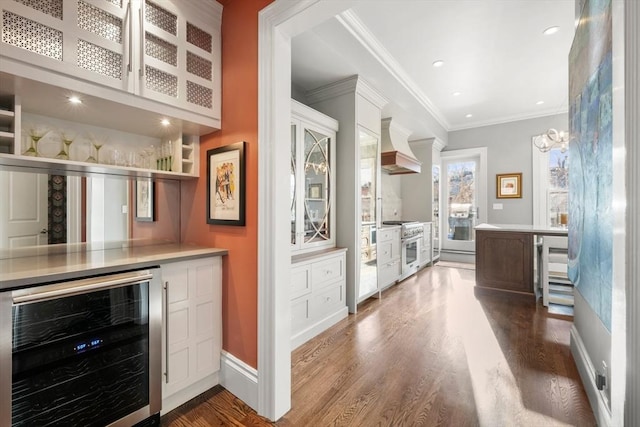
<point x="587" y="372"/>
<point x="171" y="402"/>
<point x="240" y="379"/>
<point x="306" y="334"/>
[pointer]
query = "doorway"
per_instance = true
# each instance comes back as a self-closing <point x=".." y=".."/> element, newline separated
<point x="464" y="180"/>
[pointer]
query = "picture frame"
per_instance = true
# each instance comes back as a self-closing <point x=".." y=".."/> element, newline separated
<point x="315" y="191"/>
<point x="144" y="200"/>
<point x="509" y="185"/>
<point x="226" y="182"/>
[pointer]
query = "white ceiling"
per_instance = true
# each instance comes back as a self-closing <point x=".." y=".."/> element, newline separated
<point x="494" y="53"/>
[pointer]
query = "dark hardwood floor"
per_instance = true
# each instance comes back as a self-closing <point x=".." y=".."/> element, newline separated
<point x="428" y="353"/>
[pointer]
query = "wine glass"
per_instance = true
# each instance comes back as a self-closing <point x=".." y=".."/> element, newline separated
<point x="97" y="144"/>
<point x="36" y="133"/>
<point x="67" y="139"/>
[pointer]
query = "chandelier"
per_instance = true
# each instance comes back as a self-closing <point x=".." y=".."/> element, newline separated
<point x="550" y="139"/>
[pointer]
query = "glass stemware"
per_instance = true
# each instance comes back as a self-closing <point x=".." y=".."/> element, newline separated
<point x="67" y="140"/>
<point x="36" y="133"/>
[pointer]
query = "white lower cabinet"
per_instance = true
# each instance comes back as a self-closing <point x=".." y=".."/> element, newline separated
<point x="389" y="256"/>
<point x="426" y="251"/>
<point x="192" y="329"/>
<point x="318" y="293"/>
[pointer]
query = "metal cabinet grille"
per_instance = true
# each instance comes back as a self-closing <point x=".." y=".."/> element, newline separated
<point x="99" y="22"/>
<point x="30" y="35"/>
<point x="161" y="18"/>
<point x="99" y="60"/>
<point x="161" y="49"/>
<point x="198" y="37"/>
<point x="199" y="66"/>
<point x="162" y="82"/>
<point x="199" y="95"/>
<point x="49" y="7"/>
<point x="116" y="2"/>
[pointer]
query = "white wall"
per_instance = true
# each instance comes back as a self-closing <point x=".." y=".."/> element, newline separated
<point x="509" y="150"/>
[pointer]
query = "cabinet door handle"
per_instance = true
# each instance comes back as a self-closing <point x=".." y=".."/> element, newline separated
<point x="166" y="332"/>
<point x="130" y="66"/>
<point x="142" y="36"/>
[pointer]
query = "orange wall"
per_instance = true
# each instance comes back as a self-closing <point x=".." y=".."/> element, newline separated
<point x="239" y="123"/>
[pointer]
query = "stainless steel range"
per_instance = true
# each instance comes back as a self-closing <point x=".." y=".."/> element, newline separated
<point x="411" y="240"/>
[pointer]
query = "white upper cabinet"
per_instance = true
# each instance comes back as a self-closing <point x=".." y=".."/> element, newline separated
<point x="313" y="178"/>
<point x="166" y="51"/>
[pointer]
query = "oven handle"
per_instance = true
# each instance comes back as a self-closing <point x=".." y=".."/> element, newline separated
<point x="81" y="287"/>
<point x="411" y="239"/>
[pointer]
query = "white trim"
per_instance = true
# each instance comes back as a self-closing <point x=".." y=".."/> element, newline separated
<point x="349" y="85"/>
<point x="313" y="330"/>
<point x="356" y="27"/>
<point x="508" y="119"/>
<point x="239" y="378"/>
<point x="74" y="209"/>
<point x="587" y="374"/>
<point x="277" y="23"/>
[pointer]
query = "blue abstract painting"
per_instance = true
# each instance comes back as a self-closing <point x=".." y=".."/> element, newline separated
<point x="591" y="151"/>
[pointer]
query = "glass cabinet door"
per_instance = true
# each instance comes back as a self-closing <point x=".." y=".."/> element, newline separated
<point x="369" y="161"/>
<point x="317" y="170"/>
<point x="311" y="186"/>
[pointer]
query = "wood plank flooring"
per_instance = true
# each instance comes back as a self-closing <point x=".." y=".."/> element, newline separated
<point x="428" y="353"/>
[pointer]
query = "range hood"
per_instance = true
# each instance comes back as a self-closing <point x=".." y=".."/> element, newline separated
<point x="397" y="157"/>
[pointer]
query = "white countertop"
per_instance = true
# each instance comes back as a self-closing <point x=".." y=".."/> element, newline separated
<point x="522" y="228"/>
<point x="32" y="270"/>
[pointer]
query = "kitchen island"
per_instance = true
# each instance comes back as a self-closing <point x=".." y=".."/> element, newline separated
<point x="505" y="258"/>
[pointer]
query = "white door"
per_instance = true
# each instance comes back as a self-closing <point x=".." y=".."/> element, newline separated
<point x="464" y="201"/>
<point x="23" y="210"/>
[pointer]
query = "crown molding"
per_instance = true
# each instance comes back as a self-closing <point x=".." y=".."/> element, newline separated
<point x="356" y="27"/>
<point x="514" y="118"/>
<point x="349" y="85"/>
<point x="434" y="143"/>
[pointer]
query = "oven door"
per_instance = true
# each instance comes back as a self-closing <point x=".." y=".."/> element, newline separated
<point x="84" y="352"/>
<point x="410" y="255"/>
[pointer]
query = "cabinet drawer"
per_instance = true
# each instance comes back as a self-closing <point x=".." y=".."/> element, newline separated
<point x="388" y="251"/>
<point x="388" y="234"/>
<point x="299" y="314"/>
<point x="329" y="299"/>
<point x="389" y="273"/>
<point x="325" y="272"/>
<point x="300" y="281"/>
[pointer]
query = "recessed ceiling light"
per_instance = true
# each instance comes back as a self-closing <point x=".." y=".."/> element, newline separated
<point x="551" y="30"/>
<point x="456" y="93"/>
<point x="438" y="63"/>
<point x="539" y="102"/>
<point x="75" y="100"/>
<point x="165" y="122"/>
<point x="468" y="116"/>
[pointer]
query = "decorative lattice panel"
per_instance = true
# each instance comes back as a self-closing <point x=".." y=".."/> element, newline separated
<point x="50" y="7"/>
<point x="99" y="60"/>
<point x="116" y="2"/>
<point x="199" y="66"/>
<point x="31" y="35"/>
<point x="199" y="95"/>
<point x="161" y="49"/>
<point x="97" y="21"/>
<point x="161" y="18"/>
<point x="162" y="82"/>
<point x="198" y="37"/>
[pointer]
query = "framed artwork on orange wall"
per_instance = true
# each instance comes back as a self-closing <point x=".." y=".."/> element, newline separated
<point x="509" y="186"/>
<point x="226" y="185"/>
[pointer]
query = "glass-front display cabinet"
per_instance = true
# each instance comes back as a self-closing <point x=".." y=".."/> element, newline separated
<point x="435" y="173"/>
<point x="312" y="179"/>
<point x="369" y="196"/>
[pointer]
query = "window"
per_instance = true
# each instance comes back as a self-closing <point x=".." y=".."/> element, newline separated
<point x="550" y="187"/>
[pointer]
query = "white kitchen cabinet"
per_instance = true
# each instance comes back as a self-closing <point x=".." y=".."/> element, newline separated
<point x="318" y="294"/>
<point x="165" y="51"/>
<point x="313" y="176"/>
<point x="358" y="108"/>
<point x="192" y="328"/>
<point x="426" y="249"/>
<point x="389" y="256"/>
